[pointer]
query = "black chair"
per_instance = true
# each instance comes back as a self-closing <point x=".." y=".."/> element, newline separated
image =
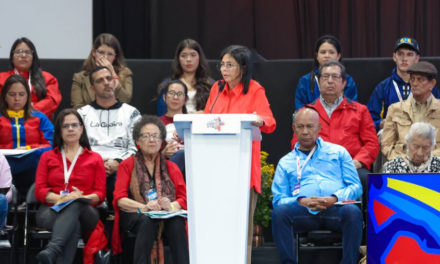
<point x="10" y="231"/>
<point x="31" y="231"/>
<point x="318" y="240"/>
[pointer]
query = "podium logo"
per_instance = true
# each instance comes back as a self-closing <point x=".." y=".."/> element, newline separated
<point x="216" y="124"/>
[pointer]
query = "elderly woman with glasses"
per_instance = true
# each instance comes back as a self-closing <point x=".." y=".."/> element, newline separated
<point x="24" y="61"/>
<point x="420" y="142"/>
<point x="149" y="182"/>
<point x="238" y="93"/>
<point x="107" y="52"/>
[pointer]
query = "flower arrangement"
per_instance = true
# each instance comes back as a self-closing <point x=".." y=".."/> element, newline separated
<point x="263" y="210"/>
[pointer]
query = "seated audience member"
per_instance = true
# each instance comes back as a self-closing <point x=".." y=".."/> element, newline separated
<point x="421" y="106"/>
<point x="420" y="142"/>
<point x="22" y="127"/>
<point x="109" y="123"/>
<point x="175" y="97"/>
<point x="106" y="51"/>
<point x="345" y="122"/>
<point x="395" y="88"/>
<point x="5" y="182"/>
<point x="147" y="181"/>
<point x="308" y="182"/>
<point x="327" y="48"/>
<point x="191" y="67"/>
<point x="68" y="172"/>
<point x="45" y="95"/>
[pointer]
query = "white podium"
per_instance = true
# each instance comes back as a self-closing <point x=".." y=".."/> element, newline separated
<point x="218" y="149"/>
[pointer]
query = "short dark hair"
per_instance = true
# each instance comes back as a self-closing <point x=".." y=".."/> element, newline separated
<point x="97" y="68"/>
<point x="149" y="119"/>
<point x="243" y="57"/>
<point x="57" y="136"/>
<point x="334" y="63"/>
<point x="16" y="78"/>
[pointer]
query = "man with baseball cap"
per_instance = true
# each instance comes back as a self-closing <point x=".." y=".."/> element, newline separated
<point x="395" y="88"/>
<point x="421" y="106"/>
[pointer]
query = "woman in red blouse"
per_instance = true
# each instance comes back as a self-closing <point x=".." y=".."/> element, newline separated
<point x="238" y="93"/>
<point x="149" y="182"/>
<point x="46" y="97"/>
<point x="68" y="172"/>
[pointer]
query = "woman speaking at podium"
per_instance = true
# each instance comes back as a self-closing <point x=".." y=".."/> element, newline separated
<point x="238" y="93"/>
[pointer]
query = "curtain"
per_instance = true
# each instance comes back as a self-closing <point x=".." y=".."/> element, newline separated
<point x="276" y="29"/>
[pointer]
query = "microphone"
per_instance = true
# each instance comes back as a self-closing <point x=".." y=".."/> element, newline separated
<point x="221" y="85"/>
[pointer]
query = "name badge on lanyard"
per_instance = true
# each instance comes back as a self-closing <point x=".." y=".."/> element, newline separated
<point x="396" y="88"/>
<point x="152" y="195"/>
<point x="67" y="173"/>
<point x="299" y="170"/>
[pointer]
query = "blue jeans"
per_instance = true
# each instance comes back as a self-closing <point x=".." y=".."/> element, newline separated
<point x="3" y="210"/>
<point x="293" y="218"/>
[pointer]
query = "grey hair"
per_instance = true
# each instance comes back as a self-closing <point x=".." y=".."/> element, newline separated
<point x="421" y="129"/>
<point x="331" y="63"/>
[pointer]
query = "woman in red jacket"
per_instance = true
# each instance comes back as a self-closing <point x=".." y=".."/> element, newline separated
<point x="46" y="96"/>
<point x="237" y="93"/>
<point x="149" y="182"/>
<point x="68" y="172"/>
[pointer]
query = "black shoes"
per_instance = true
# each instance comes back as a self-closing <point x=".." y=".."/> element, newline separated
<point x="46" y="256"/>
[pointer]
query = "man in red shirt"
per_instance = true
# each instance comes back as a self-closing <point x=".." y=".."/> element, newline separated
<point x="345" y="122"/>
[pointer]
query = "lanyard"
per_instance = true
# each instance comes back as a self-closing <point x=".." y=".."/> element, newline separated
<point x="29" y="80"/>
<point x="68" y="172"/>
<point x="150" y="177"/>
<point x="316" y="81"/>
<point x="397" y="91"/>
<point x="300" y="168"/>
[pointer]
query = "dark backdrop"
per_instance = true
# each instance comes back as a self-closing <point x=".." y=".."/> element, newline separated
<point x="277" y="29"/>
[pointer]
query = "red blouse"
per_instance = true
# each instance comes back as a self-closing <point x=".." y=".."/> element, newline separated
<point x="235" y="102"/>
<point x="88" y="175"/>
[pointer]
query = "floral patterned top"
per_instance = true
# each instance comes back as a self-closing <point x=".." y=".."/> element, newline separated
<point x="399" y="165"/>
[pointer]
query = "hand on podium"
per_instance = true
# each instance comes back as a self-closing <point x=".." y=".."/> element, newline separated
<point x="259" y="122"/>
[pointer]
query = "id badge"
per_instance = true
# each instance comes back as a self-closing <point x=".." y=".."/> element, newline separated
<point x="296" y="189"/>
<point x="64" y="193"/>
<point x="152" y="195"/>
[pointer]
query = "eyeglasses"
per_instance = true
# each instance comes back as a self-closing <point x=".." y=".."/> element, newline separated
<point x="227" y="65"/>
<point x="72" y="125"/>
<point x="325" y="77"/>
<point x="147" y="136"/>
<point x="107" y="54"/>
<point x="174" y="93"/>
<point x="24" y="53"/>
